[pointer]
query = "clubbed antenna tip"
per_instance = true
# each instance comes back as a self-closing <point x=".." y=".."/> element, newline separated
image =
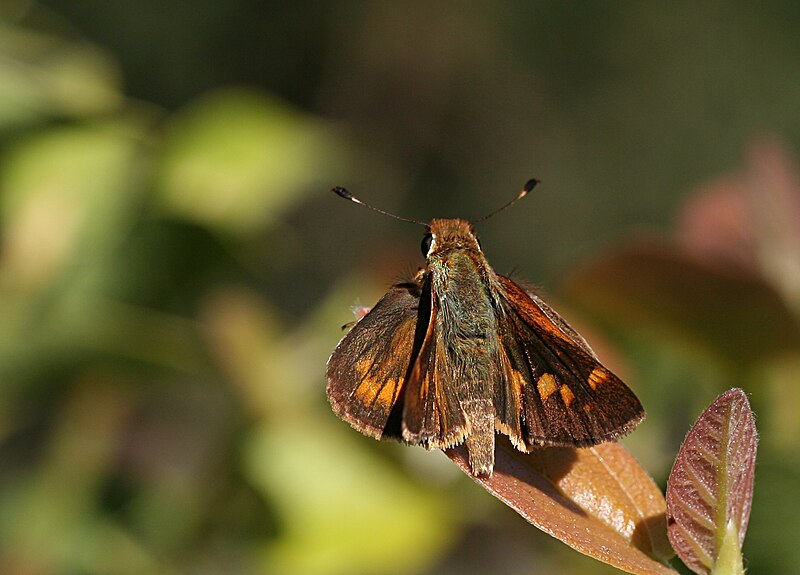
<point x="529" y="185"/>
<point x="343" y="192"/>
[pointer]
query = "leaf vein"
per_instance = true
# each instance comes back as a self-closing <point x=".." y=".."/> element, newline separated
<point x="703" y="490"/>
<point x="699" y="551"/>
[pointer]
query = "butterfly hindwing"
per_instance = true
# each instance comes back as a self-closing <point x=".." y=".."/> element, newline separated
<point x="567" y="397"/>
<point x="431" y="415"/>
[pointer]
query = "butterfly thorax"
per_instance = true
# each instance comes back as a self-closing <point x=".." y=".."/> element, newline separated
<point x="462" y="281"/>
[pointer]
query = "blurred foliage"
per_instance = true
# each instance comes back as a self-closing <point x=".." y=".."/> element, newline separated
<point x="173" y="276"/>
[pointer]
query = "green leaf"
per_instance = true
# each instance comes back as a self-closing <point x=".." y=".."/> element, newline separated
<point x="42" y="76"/>
<point x="66" y="197"/>
<point x="235" y="159"/>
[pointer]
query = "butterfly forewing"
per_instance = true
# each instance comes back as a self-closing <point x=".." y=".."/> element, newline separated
<point x="367" y="370"/>
<point x="384" y="379"/>
<point x="568" y="397"/>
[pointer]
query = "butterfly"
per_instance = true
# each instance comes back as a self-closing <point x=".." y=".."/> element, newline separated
<point x="459" y="353"/>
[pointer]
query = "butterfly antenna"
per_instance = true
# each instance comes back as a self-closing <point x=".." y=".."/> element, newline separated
<point x="345" y="193"/>
<point x="529" y="185"/>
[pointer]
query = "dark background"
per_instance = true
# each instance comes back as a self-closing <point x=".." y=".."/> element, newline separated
<point x="174" y="273"/>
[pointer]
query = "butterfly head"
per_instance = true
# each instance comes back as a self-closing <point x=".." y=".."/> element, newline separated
<point x="447" y="235"/>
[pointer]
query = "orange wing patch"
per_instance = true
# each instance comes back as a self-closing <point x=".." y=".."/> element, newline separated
<point x="373" y="390"/>
<point x="566" y="395"/>
<point x="515" y="378"/>
<point x="597" y="377"/>
<point x="547" y="386"/>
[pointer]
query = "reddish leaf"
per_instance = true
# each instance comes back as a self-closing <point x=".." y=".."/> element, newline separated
<point x="715" y="225"/>
<point x="711" y="484"/>
<point x="650" y="283"/>
<point x="731" y="278"/>
<point x="751" y="220"/>
<point x="597" y="500"/>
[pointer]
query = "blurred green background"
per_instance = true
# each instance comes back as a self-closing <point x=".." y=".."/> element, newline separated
<point x="174" y="274"/>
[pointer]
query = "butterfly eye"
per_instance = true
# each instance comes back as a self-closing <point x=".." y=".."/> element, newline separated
<point x="427" y="240"/>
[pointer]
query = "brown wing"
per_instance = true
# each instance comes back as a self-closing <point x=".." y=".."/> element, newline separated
<point x="367" y="369"/>
<point x="431" y="414"/>
<point x="564" y="396"/>
<point x="384" y="377"/>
